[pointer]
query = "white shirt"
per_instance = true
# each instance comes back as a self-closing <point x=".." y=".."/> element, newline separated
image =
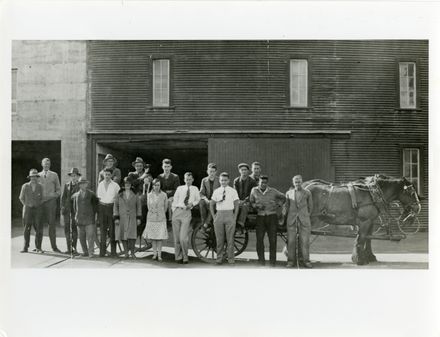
<point x="107" y="196"/>
<point x="180" y="195"/>
<point x="231" y="195"/>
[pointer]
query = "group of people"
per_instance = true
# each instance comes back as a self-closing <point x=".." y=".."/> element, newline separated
<point x="142" y="206"/>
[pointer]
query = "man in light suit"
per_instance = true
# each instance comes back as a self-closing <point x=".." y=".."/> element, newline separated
<point x="299" y="207"/>
<point x="51" y="192"/>
<point x="207" y="187"/>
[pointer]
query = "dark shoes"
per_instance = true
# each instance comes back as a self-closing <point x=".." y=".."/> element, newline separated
<point x="307" y="265"/>
<point x="24" y="250"/>
<point x="56" y="250"/>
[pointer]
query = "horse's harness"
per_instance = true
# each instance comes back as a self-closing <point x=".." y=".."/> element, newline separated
<point x="376" y="193"/>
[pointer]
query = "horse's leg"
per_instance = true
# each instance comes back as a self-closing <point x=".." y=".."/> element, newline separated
<point x="368" y="252"/>
<point x="358" y="255"/>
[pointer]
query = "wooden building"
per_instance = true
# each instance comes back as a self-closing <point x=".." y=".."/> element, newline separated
<point x="335" y="110"/>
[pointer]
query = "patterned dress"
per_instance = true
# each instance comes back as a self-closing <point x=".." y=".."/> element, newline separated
<point x="156" y="228"/>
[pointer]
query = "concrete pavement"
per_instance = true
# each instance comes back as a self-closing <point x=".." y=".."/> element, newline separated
<point x="326" y="252"/>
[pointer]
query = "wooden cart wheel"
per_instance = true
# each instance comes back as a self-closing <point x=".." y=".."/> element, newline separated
<point x="204" y="243"/>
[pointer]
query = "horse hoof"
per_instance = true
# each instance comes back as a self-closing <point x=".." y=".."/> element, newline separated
<point x="372" y="258"/>
<point x="355" y="259"/>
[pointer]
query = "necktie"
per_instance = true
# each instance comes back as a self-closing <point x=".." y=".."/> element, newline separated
<point x="224" y="194"/>
<point x="187" y="197"/>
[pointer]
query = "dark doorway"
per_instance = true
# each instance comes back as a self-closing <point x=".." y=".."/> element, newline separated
<point x="186" y="155"/>
<point x="25" y="156"/>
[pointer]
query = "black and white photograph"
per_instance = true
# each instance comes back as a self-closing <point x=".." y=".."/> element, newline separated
<point x="249" y="153"/>
<point x="219" y="168"/>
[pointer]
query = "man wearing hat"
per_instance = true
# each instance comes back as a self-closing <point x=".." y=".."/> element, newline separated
<point x="138" y="175"/>
<point x="266" y="200"/>
<point x="138" y="178"/>
<point x="70" y="229"/>
<point x="85" y="206"/>
<point x="107" y="193"/>
<point x="243" y="184"/>
<point x="51" y="191"/>
<point x="31" y="196"/>
<point x="110" y="162"/>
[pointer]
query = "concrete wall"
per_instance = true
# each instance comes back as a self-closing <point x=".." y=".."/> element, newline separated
<point x="51" y="97"/>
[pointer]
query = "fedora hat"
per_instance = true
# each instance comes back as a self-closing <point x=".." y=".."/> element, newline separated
<point x="82" y="180"/>
<point x="138" y="160"/>
<point x="33" y="173"/>
<point x="109" y="156"/>
<point x="74" y="170"/>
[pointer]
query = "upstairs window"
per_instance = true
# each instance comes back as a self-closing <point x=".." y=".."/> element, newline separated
<point x="411" y="166"/>
<point x="407" y="81"/>
<point x="161" y="83"/>
<point x="298" y="83"/>
<point x="14" y="90"/>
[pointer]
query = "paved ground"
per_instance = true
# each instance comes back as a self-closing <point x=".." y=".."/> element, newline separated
<point x="326" y="252"/>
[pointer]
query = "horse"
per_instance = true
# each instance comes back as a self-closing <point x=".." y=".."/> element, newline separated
<point x="358" y="204"/>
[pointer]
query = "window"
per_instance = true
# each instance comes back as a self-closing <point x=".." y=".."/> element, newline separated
<point x="407" y="80"/>
<point x="298" y="83"/>
<point x="411" y="166"/>
<point x="161" y="83"/>
<point x="14" y="90"/>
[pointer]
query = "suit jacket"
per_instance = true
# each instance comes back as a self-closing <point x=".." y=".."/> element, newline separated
<point x="51" y="185"/>
<point x="66" y="198"/>
<point x="138" y="181"/>
<point x="205" y="187"/>
<point x="249" y="185"/>
<point x="31" y="198"/>
<point x="85" y="207"/>
<point x="169" y="184"/>
<point x="299" y="208"/>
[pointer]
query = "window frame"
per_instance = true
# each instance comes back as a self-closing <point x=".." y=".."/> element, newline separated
<point x="289" y="83"/>
<point x="416" y="84"/>
<point x="155" y="105"/>
<point x="420" y="169"/>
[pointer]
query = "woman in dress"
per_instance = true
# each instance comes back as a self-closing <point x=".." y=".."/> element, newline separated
<point x="156" y="228"/>
<point x="127" y="212"/>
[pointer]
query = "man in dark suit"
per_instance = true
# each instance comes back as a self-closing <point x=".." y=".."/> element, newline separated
<point x="169" y="182"/>
<point x="207" y="187"/>
<point x="85" y="207"/>
<point x="31" y="196"/>
<point x="244" y="185"/>
<point x="70" y="229"/>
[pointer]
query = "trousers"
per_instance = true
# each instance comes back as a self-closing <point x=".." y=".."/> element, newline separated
<point x="49" y="209"/>
<point x="243" y="211"/>
<point x="71" y="231"/>
<point x="181" y="221"/>
<point x="293" y="227"/>
<point x="224" y="228"/>
<point x="87" y="238"/>
<point x="32" y="218"/>
<point x="267" y="224"/>
<point x="205" y="213"/>
<point x="106" y="223"/>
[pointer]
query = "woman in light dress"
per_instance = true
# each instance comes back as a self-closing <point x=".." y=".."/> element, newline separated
<point x="156" y="228"/>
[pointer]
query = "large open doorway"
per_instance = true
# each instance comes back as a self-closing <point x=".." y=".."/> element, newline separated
<point x="186" y="155"/>
<point x="27" y="155"/>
